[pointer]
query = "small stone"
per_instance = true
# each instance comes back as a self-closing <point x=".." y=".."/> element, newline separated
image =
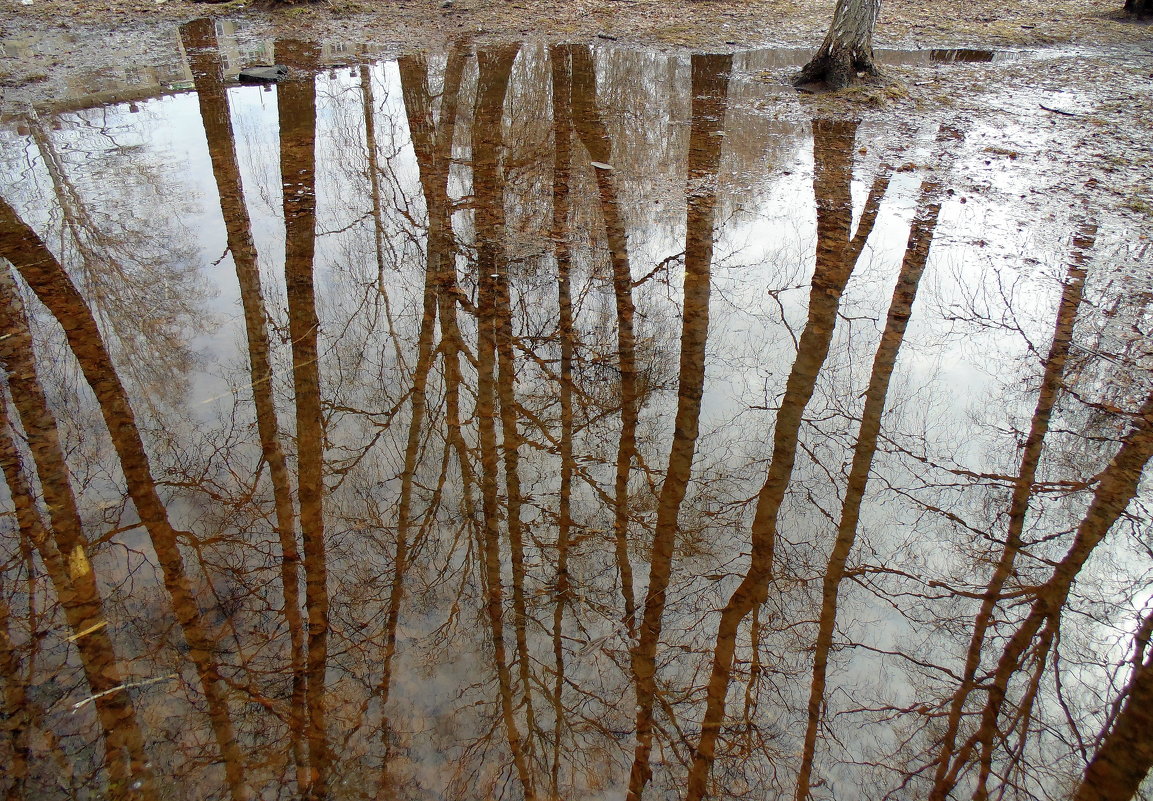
<point x="447" y="4"/>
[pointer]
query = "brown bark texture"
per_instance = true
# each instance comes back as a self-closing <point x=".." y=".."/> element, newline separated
<point x="494" y="68"/>
<point x="1116" y="487"/>
<point x="17" y="717"/>
<point x="593" y="134"/>
<point x="432" y="144"/>
<point x="847" y="48"/>
<point x="1125" y="756"/>
<point x="296" y="109"/>
<point x="560" y="65"/>
<point x="900" y="310"/>
<point x="1052" y="383"/>
<point x="65" y="554"/>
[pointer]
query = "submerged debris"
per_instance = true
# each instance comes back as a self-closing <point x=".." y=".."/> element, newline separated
<point x="263" y="73"/>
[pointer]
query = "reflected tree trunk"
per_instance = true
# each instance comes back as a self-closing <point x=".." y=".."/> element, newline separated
<point x="1052" y="384"/>
<point x="66" y="558"/>
<point x="836" y="257"/>
<point x="208" y="73"/>
<point x="494" y="69"/>
<point x="17" y="720"/>
<point x="710" y="86"/>
<point x="1116" y="487"/>
<point x="561" y="69"/>
<point x="593" y="134"/>
<point x="900" y="310"/>
<point x="296" y="108"/>
<point x="1125" y="755"/>
<point x="510" y="430"/>
<point x="449" y="295"/>
<point x="52" y="285"/>
<point x="432" y="145"/>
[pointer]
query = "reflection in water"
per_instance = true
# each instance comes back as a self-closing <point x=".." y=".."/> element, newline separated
<point x="443" y="505"/>
<point x="200" y="42"/>
<point x="64" y="554"/>
<point x="961" y="55"/>
<point x="710" y="79"/>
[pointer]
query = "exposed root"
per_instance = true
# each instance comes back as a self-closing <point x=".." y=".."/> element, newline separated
<point x="837" y="68"/>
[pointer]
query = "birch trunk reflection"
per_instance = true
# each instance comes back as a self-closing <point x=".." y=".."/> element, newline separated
<point x="836" y="258"/>
<point x="208" y="74"/>
<point x="1052" y="384"/>
<point x="511" y="439"/>
<point x="52" y="285"/>
<point x="66" y="558"/>
<point x="296" y="109"/>
<point x="1116" y="487"/>
<point x="710" y="86"/>
<point x="593" y="134"/>
<point x="561" y="73"/>
<point x="432" y="145"/>
<point x="493" y="347"/>
<point x="482" y="612"/>
<point x="17" y="712"/>
<point x="1125" y="756"/>
<point x="900" y="310"/>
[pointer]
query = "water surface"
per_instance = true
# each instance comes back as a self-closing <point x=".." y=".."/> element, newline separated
<point x="556" y="421"/>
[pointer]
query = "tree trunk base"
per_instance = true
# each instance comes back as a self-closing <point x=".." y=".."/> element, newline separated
<point x="1139" y="8"/>
<point x="837" y="67"/>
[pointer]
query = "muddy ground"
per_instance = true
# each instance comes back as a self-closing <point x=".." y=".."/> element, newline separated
<point x="94" y="28"/>
<point x="674" y="23"/>
<point x="61" y="40"/>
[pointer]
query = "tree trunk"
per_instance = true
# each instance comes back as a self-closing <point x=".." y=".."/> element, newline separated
<point x="710" y="83"/>
<point x="835" y="258"/>
<point x="900" y="309"/>
<point x="1116" y="487"/>
<point x="66" y="558"/>
<point x="432" y="144"/>
<point x="1051" y="385"/>
<point x="1126" y="754"/>
<point x="296" y="108"/>
<point x="208" y="75"/>
<point x="494" y="69"/>
<point x="561" y="70"/>
<point x="848" y="46"/>
<point x="17" y="719"/>
<point x="593" y="133"/>
<point x="53" y="286"/>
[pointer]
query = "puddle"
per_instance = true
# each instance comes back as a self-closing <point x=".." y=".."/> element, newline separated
<point x="438" y="426"/>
